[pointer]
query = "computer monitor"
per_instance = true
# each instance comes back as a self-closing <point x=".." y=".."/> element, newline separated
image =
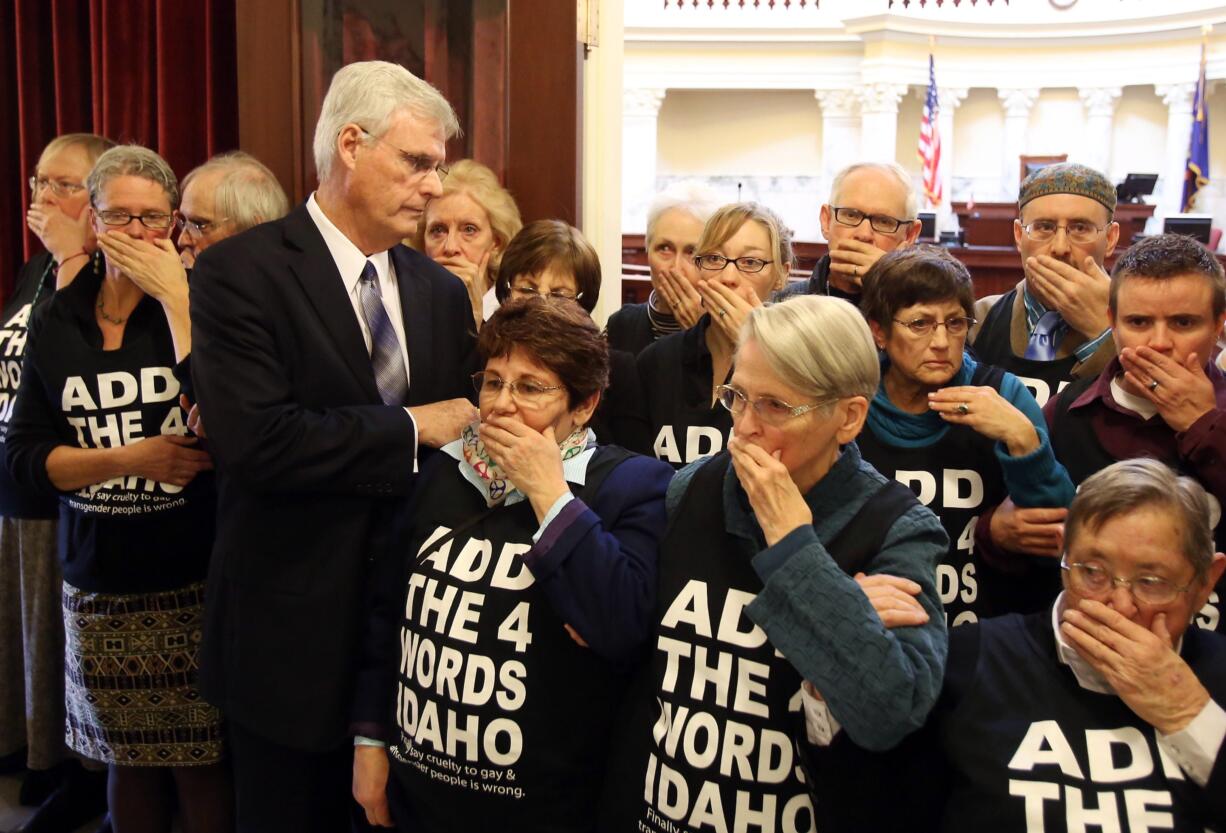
<point x="1135" y="186"/>
<point x="1033" y="168"/>
<point x="1196" y="226"/>
<point x="928" y="225"/>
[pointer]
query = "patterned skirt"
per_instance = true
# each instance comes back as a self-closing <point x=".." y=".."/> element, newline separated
<point x="131" y="668"/>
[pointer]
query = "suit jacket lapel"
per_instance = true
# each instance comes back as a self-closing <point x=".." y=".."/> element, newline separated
<point x="321" y="282"/>
<point x="415" y="306"/>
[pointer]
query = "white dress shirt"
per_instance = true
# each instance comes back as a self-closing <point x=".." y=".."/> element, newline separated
<point x="350" y="262"/>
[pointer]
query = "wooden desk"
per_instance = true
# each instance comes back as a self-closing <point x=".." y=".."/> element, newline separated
<point x="994" y="269"/>
<point x="991" y="223"/>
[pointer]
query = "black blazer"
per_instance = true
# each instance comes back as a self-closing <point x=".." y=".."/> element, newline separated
<point x="311" y="464"/>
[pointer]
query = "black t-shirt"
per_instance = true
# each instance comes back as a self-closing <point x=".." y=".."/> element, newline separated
<point x="708" y="741"/>
<point x="128" y="534"/>
<point x="35" y="282"/>
<point x="958" y="477"/>
<point x="1028" y="748"/>
<point x="502" y="720"/>
<point x="676" y="376"/>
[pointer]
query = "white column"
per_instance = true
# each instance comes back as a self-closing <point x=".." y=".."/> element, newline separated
<point x="840" y="132"/>
<point x="1178" y="100"/>
<point x="1100" y="113"/>
<point x="640" y="123"/>
<point x="1017" y="104"/>
<point x="879" y="120"/>
<point x="600" y="206"/>
<point x="948" y="100"/>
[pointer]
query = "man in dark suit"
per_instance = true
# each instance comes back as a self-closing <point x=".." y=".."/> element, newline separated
<point x="327" y="356"/>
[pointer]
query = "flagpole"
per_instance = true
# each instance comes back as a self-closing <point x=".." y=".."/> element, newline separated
<point x="1196" y="172"/>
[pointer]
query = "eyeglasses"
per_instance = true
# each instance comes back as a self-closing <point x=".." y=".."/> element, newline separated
<point x="770" y="410"/>
<point x="420" y="164"/>
<point x="553" y="294"/>
<point x="883" y="223"/>
<point x="746" y="265"/>
<point x="1096" y="580"/>
<point x="1079" y="231"/>
<point x="156" y="221"/>
<point x="195" y="227"/>
<point x="525" y="392"/>
<point x="923" y="327"/>
<point x="59" y="187"/>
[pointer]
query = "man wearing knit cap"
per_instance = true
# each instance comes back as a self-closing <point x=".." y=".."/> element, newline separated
<point x="1052" y="327"/>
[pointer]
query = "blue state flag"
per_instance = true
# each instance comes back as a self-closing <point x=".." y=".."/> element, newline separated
<point x="1196" y="175"/>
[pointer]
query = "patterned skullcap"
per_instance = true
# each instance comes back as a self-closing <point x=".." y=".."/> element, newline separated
<point x="1068" y="178"/>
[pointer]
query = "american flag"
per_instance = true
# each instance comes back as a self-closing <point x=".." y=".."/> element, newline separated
<point x="930" y="141"/>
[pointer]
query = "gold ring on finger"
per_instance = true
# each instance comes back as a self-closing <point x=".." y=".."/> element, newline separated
<point x="964" y="408"/>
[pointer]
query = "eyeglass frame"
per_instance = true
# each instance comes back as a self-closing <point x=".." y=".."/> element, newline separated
<point x="932" y="331"/>
<point x="58" y="186"/>
<point x="739" y="396"/>
<point x="182" y="222"/>
<point x="553" y="294"/>
<point x="478" y="380"/>
<point x="736" y="262"/>
<point x="864" y="215"/>
<point x="1115" y="581"/>
<point x="414" y="160"/>
<point x="170" y="218"/>
<point x="1097" y="231"/>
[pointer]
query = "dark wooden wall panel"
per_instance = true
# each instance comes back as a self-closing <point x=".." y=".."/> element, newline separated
<point x="544" y="88"/>
<point x="270" y="118"/>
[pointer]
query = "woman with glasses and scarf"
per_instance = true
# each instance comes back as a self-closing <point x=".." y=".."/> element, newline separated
<point x="787" y="560"/>
<point x="964" y="435"/>
<point x="743" y="256"/>
<point x="98" y="423"/>
<point x="518" y="596"/>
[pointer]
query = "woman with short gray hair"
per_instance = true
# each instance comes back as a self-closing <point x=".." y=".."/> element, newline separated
<point x="1112" y="687"/>
<point x="787" y="559"/>
<point x="98" y="424"/>
<point x="675" y="219"/>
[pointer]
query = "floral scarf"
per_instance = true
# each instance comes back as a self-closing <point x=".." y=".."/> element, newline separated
<point x="493" y="483"/>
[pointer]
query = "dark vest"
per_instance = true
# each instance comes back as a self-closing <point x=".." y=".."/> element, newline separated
<point x="957" y="478"/>
<point x="1077" y="446"/>
<point x="993" y="346"/>
<point x="1027" y="739"/>
<point x="502" y="718"/>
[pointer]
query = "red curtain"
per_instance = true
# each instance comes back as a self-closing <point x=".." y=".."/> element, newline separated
<point x="161" y="73"/>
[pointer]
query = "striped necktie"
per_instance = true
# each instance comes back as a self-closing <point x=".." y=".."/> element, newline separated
<point x="385" y="356"/>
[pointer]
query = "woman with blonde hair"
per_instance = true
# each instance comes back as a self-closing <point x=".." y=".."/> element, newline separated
<point x="743" y="256"/>
<point x="468" y="228"/>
